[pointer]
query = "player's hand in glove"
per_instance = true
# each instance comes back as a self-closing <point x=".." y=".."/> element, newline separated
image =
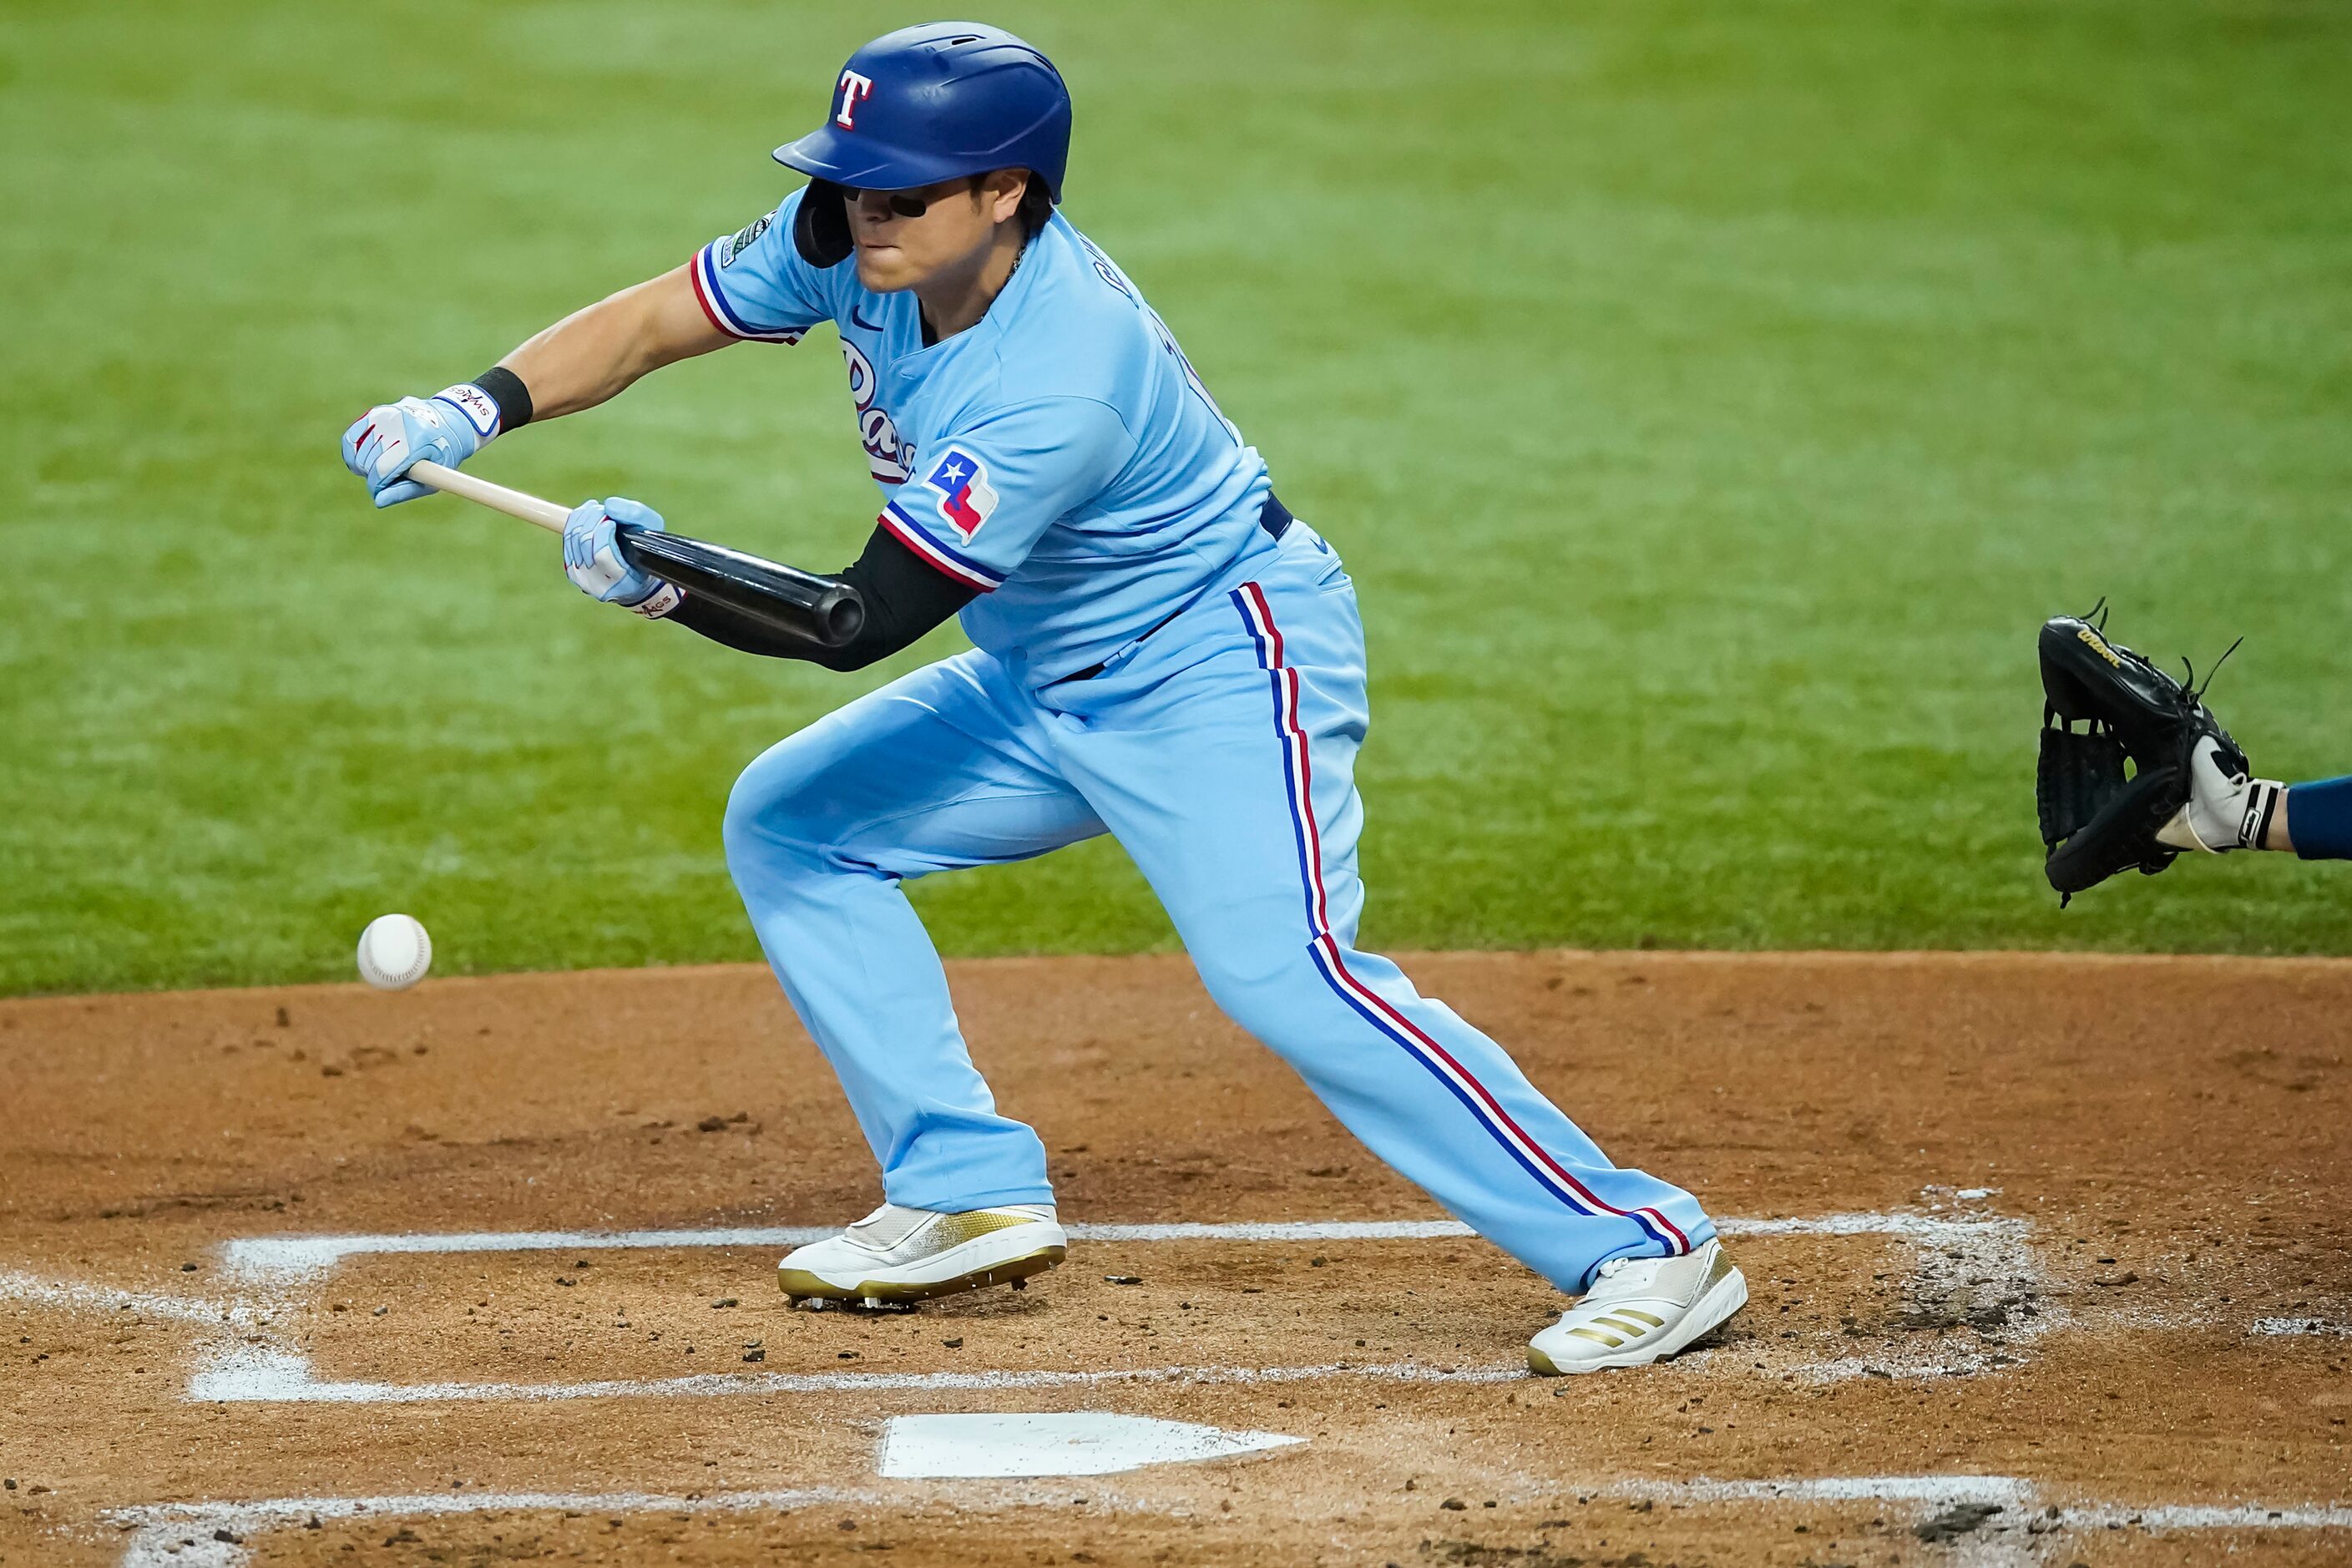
<point x="448" y="427"/>
<point x="592" y="557"/>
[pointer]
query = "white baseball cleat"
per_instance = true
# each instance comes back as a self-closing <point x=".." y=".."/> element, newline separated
<point x="896" y="1257"/>
<point x="1640" y="1310"/>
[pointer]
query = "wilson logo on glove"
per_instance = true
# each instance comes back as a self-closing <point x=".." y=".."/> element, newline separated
<point x="2099" y="645"/>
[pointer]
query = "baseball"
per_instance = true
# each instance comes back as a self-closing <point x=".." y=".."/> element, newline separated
<point x="394" y="952"/>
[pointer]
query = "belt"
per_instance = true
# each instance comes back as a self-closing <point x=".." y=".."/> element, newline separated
<point x="1274" y="517"/>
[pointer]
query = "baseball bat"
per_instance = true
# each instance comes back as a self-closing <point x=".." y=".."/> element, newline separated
<point x="822" y="610"/>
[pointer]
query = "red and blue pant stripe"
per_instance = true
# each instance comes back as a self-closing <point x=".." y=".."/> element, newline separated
<point x="1257" y="615"/>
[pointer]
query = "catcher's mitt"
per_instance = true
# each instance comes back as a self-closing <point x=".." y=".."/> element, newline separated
<point x="2096" y="820"/>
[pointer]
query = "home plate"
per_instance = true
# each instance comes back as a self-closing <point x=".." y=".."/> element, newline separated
<point x="1070" y="1443"/>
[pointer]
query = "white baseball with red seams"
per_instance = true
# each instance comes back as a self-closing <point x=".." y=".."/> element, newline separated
<point x="394" y="952"/>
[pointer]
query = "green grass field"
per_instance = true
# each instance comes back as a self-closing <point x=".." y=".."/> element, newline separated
<point x="1710" y="399"/>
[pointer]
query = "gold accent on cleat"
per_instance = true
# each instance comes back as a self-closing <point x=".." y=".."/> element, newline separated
<point x="802" y="1285"/>
<point x="1722" y="1293"/>
<point x="955" y="1229"/>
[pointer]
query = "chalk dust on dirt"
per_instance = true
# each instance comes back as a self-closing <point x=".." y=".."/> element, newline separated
<point x="2156" y="1145"/>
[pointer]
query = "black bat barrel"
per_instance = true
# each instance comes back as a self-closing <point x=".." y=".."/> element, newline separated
<point x="825" y="611"/>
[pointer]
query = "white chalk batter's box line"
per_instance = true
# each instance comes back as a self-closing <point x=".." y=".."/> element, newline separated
<point x="280" y="1261"/>
<point x="284" y="1260"/>
<point x="216" y="1534"/>
<point x="1964" y="1254"/>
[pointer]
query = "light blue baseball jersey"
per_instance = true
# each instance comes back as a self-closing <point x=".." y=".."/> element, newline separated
<point x="1061" y="456"/>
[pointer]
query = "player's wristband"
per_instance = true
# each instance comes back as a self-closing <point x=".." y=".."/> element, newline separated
<point x="491" y="404"/>
<point x="2263" y="797"/>
<point x="506" y="389"/>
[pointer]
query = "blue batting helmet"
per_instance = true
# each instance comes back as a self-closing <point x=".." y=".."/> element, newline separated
<point x="925" y="104"/>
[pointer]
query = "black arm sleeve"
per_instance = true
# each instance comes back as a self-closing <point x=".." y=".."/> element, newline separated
<point x="905" y="598"/>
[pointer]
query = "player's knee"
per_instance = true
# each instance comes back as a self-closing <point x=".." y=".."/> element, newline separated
<point x="1255" y="986"/>
<point x="769" y="813"/>
<point x="740" y="829"/>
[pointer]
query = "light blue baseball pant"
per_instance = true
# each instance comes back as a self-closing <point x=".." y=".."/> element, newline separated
<point x="1219" y="752"/>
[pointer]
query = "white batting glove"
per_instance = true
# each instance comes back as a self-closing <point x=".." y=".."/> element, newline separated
<point x="2226" y="810"/>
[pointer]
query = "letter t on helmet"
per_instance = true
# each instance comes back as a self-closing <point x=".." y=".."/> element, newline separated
<point x="922" y="105"/>
<point x="855" y="90"/>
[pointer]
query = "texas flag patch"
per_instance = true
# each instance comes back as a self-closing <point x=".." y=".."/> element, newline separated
<point x="966" y="498"/>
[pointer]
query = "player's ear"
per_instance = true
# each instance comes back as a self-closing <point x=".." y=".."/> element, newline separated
<point x="1036" y="203"/>
<point x="1005" y="190"/>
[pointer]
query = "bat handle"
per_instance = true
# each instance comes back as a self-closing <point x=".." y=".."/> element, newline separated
<point x="498" y="498"/>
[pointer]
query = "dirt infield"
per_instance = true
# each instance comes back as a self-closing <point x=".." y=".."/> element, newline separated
<point x="2049" y="1259"/>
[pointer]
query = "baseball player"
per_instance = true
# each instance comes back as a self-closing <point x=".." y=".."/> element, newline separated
<point x="1161" y="652"/>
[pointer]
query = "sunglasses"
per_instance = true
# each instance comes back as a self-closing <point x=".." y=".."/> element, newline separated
<point x="905" y="203"/>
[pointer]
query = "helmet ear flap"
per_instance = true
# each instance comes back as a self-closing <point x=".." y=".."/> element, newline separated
<point x="820" y="228"/>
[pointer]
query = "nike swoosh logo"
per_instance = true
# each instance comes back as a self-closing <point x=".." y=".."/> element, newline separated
<point x="857" y="321"/>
